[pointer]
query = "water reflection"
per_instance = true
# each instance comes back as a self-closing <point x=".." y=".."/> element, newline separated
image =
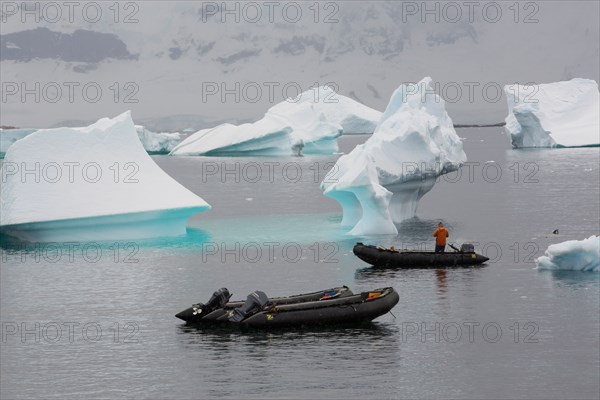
<point x="198" y="336"/>
<point x="390" y="272"/>
<point x="442" y="282"/>
<point x="574" y="279"/>
<point x="194" y="237"/>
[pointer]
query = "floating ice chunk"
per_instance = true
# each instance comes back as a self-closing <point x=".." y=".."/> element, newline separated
<point x="157" y="143"/>
<point x="558" y="114"/>
<point x="354" y="117"/>
<point x="381" y="181"/>
<point x="572" y="255"/>
<point x="92" y="183"/>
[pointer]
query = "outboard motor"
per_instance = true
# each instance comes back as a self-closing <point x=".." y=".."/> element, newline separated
<point x="467" y="248"/>
<point x="198" y="311"/>
<point x="255" y="302"/>
<point x="218" y="300"/>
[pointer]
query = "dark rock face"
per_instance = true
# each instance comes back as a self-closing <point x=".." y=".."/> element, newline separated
<point x="80" y="46"/>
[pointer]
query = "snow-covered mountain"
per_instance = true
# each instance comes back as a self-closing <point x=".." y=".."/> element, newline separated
<point x="163" y="59"/>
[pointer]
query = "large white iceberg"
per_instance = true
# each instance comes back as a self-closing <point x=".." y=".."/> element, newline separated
<point x="309" y="124"/>
<point x="92" y="183"/>
<point x="264" y="137"/>
<point x="352" y="116"/>
<point x="312" y="132"/>
<point x="9" y="136"/>
<point x="381" y="181"/>
<point x="287" y="128"/>
<point x="154" y="143"/>
<point x="157" y="143"/>
<point x="558" y="114"/>
<point x="572" y="255"/>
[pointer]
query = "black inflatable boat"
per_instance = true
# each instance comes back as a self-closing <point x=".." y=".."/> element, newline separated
<point x="326" y="307"/>
<point x="381" y="257"/>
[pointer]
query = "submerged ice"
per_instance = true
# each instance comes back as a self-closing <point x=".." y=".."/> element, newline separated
<point x="381" y="181"/>
<point x="572" y="255"/>
<point x="91" y="183"/>
<point x="558" y="114"/>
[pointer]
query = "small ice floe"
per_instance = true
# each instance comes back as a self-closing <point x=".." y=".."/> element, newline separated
<point x="572" y="255"/>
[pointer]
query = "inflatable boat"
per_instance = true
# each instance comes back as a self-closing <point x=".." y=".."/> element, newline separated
<point x="326" y="307"/>
<point x="390" y="258"/>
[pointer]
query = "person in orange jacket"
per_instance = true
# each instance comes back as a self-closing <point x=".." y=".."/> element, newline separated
<point x="440" y="235"/>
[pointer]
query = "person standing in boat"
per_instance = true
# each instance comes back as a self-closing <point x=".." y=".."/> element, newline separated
<point x="440" y="235"/>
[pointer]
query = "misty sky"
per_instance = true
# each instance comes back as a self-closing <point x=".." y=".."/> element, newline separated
<point x="187" y="62"/>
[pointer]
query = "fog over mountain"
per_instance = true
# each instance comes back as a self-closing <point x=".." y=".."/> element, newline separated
<point x="213" y="61"/>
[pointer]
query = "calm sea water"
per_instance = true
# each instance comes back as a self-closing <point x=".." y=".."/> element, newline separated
<point x="100" y="324"/>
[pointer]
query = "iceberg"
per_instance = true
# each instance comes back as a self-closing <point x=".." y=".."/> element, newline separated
<point x="558" y="114"/>
<point x="286" y="128"/>
<point x="157" y="143"/>
<point x="9" y="136"/>
<point x="381" y="181"/>
<point x="354" y="117"/>
<point x="154" y="143"/>
<point x="572" y="255"/>
<point x="263" y="137"/>
<point x="312" y="132"/>
<point x="307" y="124"/>
<point x="91" y="183"/>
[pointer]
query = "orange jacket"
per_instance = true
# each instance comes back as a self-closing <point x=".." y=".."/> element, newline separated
<point x="440" y="235"/>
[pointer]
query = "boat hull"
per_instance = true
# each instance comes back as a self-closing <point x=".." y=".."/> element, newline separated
<point x="387" y="258"/>
<point x="295" y="311"/>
